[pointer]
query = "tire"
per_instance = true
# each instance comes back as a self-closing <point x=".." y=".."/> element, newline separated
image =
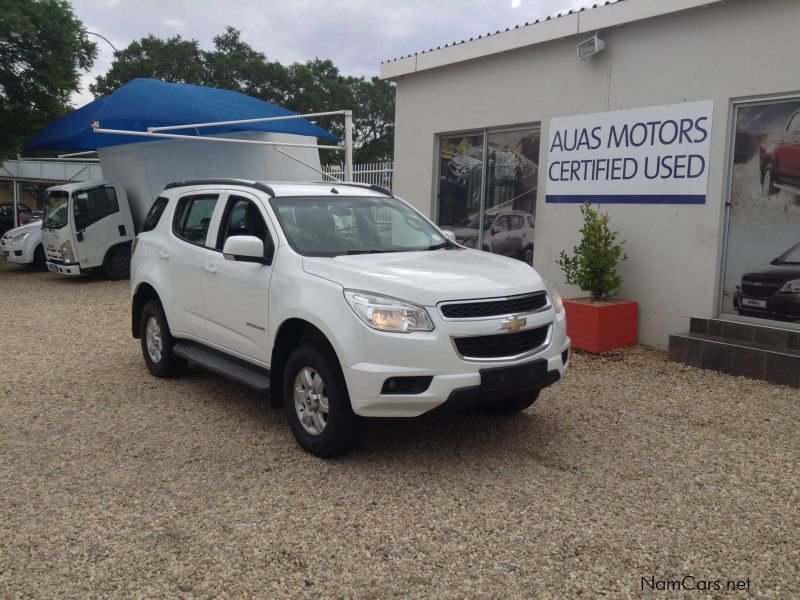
<point x="527" y="255"/>
<point x="117" y="264"/>
<point x="39" y="259"/>
<point x="767" y="182"/>
<point x="512" y="404"/>
<point x="311" y="379"/>
<point x="157" y="343"/>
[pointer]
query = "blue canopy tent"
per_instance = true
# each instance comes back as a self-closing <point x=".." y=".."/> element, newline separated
<point x="144" y="103"/>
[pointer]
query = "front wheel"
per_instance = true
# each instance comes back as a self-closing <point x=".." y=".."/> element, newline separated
<point x="117" y="264"/>
<point x="157" y="343"/>
<point x="39" y="259"/>
<point x="512" y="404"/>
<point x="317" y="403"/>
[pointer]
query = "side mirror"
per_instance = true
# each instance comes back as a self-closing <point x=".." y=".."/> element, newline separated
<point x="495" y="230"/>
<point x="449" y="235"/>
<point x="245" y="248"/>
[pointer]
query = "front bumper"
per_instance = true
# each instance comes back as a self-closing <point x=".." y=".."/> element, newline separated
<point x="432" y="354"/>
<point x="15" y="254"/>
<point x="63" y="268"/>
<point x="784" y="306"/>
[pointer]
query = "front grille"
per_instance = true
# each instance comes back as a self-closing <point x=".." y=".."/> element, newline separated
<point x="494" y="308"/>
<point x="501" y="345"/>
<point x="759" y="289"/>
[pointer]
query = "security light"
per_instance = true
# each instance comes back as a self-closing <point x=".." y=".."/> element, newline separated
<point x="591" y="46"/>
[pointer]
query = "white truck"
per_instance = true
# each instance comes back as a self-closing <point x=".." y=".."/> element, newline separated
<point x="90" y="225"/>
<point x="341" y="301"/>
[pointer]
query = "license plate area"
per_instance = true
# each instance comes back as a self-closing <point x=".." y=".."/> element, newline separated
<point x="753" y="303"/>
<point x="519" y="377"/>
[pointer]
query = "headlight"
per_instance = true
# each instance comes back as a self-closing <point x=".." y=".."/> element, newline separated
<point x="793" y="286"/>
<point x="18" y="239"/>
<point x="388" y="314"/>
<point x="66" y="252"/>
<point x="555" y="297"/>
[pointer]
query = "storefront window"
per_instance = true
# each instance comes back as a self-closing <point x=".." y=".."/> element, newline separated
<point x="762" y="264"/>
<point x="490" y="208"/>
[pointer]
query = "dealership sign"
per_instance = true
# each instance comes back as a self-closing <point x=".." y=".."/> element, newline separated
<point x="653" y="155"/>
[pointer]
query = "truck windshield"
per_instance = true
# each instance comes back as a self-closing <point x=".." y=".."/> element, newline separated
<point x="332" y="226"/>
<point x="55" y="210"/>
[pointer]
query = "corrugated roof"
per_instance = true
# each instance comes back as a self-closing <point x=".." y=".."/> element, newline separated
<point x="489" y="34"/>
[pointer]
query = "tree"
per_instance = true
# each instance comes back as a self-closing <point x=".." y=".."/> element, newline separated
<point x="313" y="86"/>
<point x="43" y="47"/>
<point x="175" y="60"/>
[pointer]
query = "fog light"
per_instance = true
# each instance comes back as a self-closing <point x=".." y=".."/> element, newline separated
<point x="406" y="385"/>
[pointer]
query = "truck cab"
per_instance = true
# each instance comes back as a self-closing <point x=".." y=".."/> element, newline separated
<point x="88" y="226"/>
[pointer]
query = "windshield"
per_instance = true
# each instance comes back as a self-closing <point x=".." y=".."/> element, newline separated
<point x="792" y="257"/>
<point x="55" y="210"/>
<point x="329" y="226"/>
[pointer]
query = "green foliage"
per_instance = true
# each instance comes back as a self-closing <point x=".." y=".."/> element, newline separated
<point x="313" y="86"/>
<point x="593" y="266"/>
<point x="43" y="46"/>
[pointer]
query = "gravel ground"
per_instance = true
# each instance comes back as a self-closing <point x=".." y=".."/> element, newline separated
<point x="116" y="484"/>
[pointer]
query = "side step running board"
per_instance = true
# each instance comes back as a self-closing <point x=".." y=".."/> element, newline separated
<point x="220" y="363"/>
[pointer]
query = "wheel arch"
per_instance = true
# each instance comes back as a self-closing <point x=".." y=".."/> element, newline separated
<point x="291" y="332"/>
<point x="144" y="293"/>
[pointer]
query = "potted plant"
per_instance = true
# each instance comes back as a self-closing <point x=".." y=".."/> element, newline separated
<point x="599" y="322"/>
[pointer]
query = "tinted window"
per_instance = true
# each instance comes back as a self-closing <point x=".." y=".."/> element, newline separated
<point x="154" y="214"/>
<point x="502" y="223"/>
<point x="242" y="217"/>
<point x="530" y="220"/>
<point x="92" y="205"/>
<point x="192" y="218"/>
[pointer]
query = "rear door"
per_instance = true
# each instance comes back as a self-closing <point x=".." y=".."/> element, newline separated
<point x="236" y="293"/>
<point x="183" y="258"/>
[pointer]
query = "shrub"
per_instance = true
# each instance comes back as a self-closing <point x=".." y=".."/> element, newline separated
<point x="593" y="267"/>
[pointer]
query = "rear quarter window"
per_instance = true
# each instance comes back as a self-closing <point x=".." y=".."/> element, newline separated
<point x="154" y="214"/>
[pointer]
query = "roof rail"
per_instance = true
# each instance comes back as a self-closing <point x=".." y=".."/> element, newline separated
<point x="369" y="186"/>
<point x="253" y="184"/>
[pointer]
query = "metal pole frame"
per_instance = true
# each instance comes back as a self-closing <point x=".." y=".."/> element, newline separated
<point x="16" y="201"/>
<point x="158" y="132"/>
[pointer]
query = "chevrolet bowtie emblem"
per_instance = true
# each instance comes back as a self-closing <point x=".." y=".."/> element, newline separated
<point x="513" y="324"/>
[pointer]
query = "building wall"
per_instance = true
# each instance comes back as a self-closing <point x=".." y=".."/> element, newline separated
<point x="731" y="50"/>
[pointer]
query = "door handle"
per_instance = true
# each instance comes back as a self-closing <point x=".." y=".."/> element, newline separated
<point x="163" y="254"/>
<point x="209" y="269"/>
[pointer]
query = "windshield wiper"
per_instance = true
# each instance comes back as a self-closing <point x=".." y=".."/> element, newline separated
<point x="445" y="244"/>
<point x="349" y="252"/>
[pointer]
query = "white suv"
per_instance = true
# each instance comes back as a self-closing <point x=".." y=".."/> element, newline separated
<point x="342" y="301"/>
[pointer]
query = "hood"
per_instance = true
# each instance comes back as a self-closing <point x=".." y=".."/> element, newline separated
<point x="773" y="273"/>
<point x="427" y="278"/>
<point x="27" y="228"/>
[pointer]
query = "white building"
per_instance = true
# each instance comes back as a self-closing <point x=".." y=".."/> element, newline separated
<point x="731" y="67"/>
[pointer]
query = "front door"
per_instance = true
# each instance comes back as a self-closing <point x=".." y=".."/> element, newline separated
<point x="236" y="293"/>
<point x="99" y="222"/>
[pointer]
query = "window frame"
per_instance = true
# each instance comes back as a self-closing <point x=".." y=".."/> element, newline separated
<point x="159" y="201"/>
<point x="222" y="227"/>
<point x="88" y="191"/>
<point x="182" y="216"/>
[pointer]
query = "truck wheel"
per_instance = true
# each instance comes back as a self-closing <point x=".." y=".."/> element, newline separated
<point x="39" y="259"/>
<point x="157" y="343"/>
<point x="117" y="264"/>
<point x="767" y="182"/>
<point x="512" y="404"/>
<point x="317" y="403"/>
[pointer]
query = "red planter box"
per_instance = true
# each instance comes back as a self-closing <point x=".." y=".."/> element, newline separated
<point x="596" y="327"/>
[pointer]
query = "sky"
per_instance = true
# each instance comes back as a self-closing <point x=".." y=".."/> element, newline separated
<point x="357" y="35"/>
